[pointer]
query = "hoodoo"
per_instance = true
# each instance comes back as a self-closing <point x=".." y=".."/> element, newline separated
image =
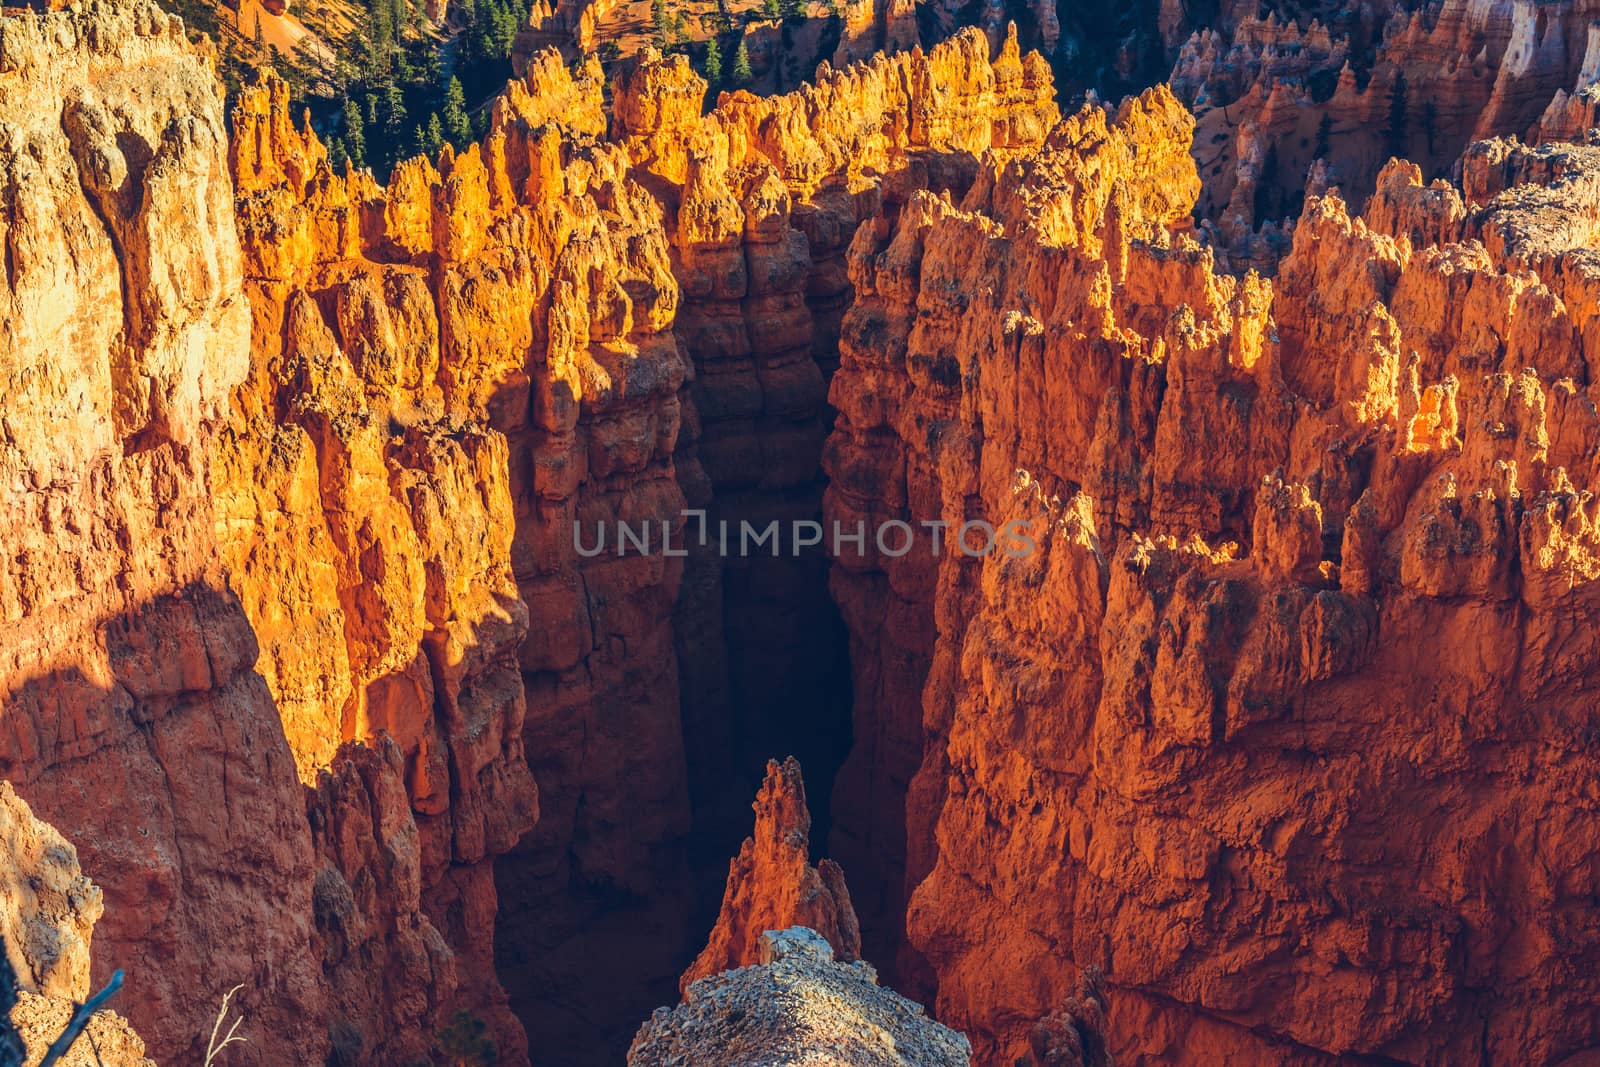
<point x="1139" y="462"/>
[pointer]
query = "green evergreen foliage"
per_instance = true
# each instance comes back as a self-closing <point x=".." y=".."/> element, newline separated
<point x="713" y="63"/>
<point x="394" y="111"/>
<point x="1324" y="137"/>
<point x="465" y="1042"/>
<point x="457" y="125"/>
<point x="741" y="66"/>
<point x="381" y="92"/>
<point x="355" y="138"/>
<point x="430" y="138"/>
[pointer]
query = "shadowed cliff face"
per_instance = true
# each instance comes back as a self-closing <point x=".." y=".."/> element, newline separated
<point x="1281" y="725"/>
<point x="554" y="329"/>
<point x="129" y="712"/>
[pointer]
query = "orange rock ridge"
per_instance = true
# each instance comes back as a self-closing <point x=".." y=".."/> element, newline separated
<point x="497" y="338"/>
<point x="293" y="615"/>
<point x="1298" y="571"/>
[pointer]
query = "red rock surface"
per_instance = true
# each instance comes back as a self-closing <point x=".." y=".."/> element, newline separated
<point x="1283" y="725"/>
<point x="772" y="885"/>
<point x="130" y="717"/>
<point x="1305" y="612"/>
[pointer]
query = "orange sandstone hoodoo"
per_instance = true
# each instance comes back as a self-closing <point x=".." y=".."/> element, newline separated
<point x="1277" y="748"/>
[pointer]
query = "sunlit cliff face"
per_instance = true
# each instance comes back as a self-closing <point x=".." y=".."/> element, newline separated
<point x="1272" y="747"/>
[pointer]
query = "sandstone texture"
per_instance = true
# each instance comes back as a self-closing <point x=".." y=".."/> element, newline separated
<point x="772" y="885"/>
<point x="132" y="719"/>
<point x="1304" y="608"/>
<point x="367" y="519"/>
<point x="1272" y="746"/>
<point x="349" y="432"/>
<point x="796" y="1006"/>
<point x="757" y="200"/>
<point x="47" y="914"/>
<point x="875" y="26"/>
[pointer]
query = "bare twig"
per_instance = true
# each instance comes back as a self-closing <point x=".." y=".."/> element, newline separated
<point x="80" y="1018"/>
<point x="212" y="1046"/>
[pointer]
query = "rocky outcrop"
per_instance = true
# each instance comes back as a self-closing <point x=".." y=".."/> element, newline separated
<point x="48" y="910"/>
<point x="570" y="29"/>
<point x="305" y="469"/>
<point x="791" y="1006"/>
<point x="772" y="885"/>
<point x="546" y="334"/>
<point x="133" y="719"/>
<point x="368" y="522"/>
<point x="764" y="196"/>
<point x="1076" y="1035"/>
<point x="1305" y="563"/>
<point x="1368" y="83"/>
<point x="872" y="26"/>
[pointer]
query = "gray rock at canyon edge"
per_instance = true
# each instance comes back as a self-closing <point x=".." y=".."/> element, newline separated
<point x="798" y="1006"/>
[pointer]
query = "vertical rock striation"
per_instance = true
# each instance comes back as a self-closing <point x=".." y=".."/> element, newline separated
<point x="772" y="885"/>
<point x="1302" y="607"/>
<point x="129" y="712"/>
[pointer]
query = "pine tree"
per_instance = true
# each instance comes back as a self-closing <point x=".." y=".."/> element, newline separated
<point x="431" y="137"/>
<point x="394" y="122"/>
<point x="772" y="8"/>
<point x="457" y="126"/>
<point x="355" y="137"/>
<point x="505" y="29"/>
<point x="1324" y="137"/>
<point x="481" y="31"/>
<point x="380" y="29"/>
<point x="713" y="63"/>
<point x="741" y="65"/>
<point x="467" y="12"/>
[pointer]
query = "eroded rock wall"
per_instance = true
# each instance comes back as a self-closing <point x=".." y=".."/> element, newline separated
<point x="130" y="715"/>
<point x="455" y="370"/>
<point x="762" y="197"/>
<point x="1303" y="608"/>
<point x="1364" y="84"/>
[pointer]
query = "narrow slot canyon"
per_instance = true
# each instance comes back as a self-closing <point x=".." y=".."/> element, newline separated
<point x="1273" y="744"/>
